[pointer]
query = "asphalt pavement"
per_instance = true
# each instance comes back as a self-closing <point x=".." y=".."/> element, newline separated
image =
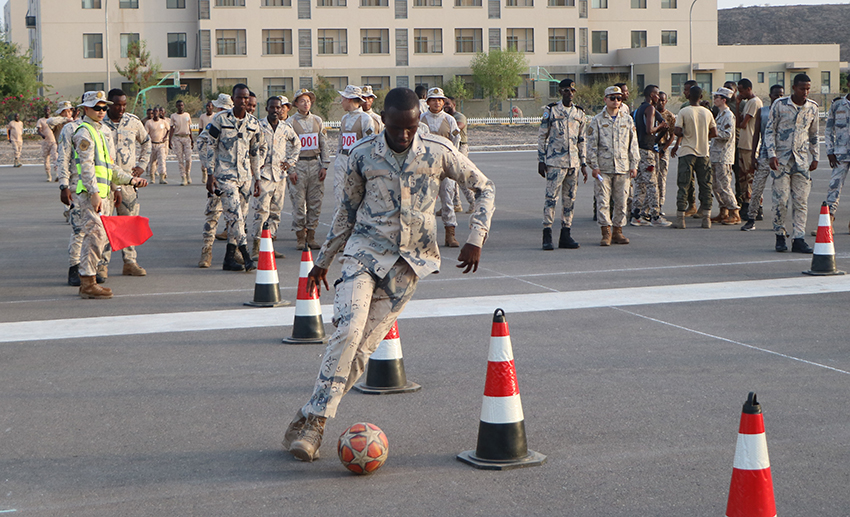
<point x="633" y="364"/>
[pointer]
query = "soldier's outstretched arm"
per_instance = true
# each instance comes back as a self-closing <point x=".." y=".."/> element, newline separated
<point x="469" y="257"/>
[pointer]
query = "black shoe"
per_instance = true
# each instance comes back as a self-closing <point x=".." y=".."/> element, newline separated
<point x="744" y="209"/>
<point x="566" y="241"/>
<point x="780" y="243"/>
<point x="246" y="257"/>
<point x="547" y="239"/>
<point x="800" y="246"/>
<point x="74" y="276"/>
<point x="749" y="226"/>
<point x="230" y="263"/>
<point x="760" y="215"/>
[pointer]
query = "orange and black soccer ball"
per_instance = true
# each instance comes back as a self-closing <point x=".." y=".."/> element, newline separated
<point x="363" y="448"/>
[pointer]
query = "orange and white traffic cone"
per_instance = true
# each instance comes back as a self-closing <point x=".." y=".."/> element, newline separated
<point x="502" y="442"/>
<point x="267" y="284"/>
<point x="751" y="491"/>
<point x="308" y="328"/>
<point x="823" y="259"/>
<point x="385" y="371"/>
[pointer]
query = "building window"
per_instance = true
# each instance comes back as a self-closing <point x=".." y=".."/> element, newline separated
<point x="93" y="87"/>
<point x="776" y="78"/>
<point x="638" y="39"/>
<point x="477" y="91"/>
<point x="331" y="3"/>
<point x="91" y="4"/>
<point x="128" y="4"/>
<point x="277" y="41"/>
<point x="375" y="41"/>
<point x="599" y="4"/>
<point x="427" y="41"/>
<point x="129" y="88"/>
<point x="228" y="83"/>
<point x="231" y="42"/>
<point x="274" y="86"/>
<point x="677" y="82"/>
<point x="468" y="40"/>
<point x="521" y="40"/>
<point x="526" y="89"/>
<point x="338" y="83"/>
<point x="760" y="77"/>
<point x="467" y="3"/>
<point x="230" y="3"/>
<point x="332" y="41"/>
<point x="599" y="42"/>
<point x="177" y="44"/>
<point x="126" y="39"/>
<point x="669" y="38"/>
<point x="519" y="3"/>
<point x="704" y="81"/>
<point x="377" y="83"/>
<point x="175" y="4"/>
<point x="374" y="3"/>
<point x="733" y="76"/>
<point x="553" y="86"/>
<point x="638" y="4"/>
<point x="640" y="79"/>
<point x="277" y="3"/>
<point x="429" y="81"/>
<point x="427" y="3"/>
<point x="562" y="40"/>
<point x="562" y="3"/>
<point x="669" y="4"/>
<point x="92" y="46"/>
<point x="825" y="82"/>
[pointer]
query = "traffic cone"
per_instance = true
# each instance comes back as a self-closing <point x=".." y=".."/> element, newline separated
<point x="385" y="371"/>
<point x="266" y="285"/>
<point x="502" y="443"/>
<point x="751" y="491"/>
<point x="308" y="328"/>
<point x="823" y="259"/>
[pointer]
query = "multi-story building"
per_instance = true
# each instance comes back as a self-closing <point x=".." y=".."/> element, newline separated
<point x="278" y="46"/>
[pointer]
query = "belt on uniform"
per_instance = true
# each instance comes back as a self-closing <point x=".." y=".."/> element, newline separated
<point x="157" y="142"/>
<point x="305" y="158"/>
<point x="346" y="151"/>
<point x="182" y="134"/>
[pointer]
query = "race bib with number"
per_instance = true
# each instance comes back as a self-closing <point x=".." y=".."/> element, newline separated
<point x="310" y="141"/>
<point x="348" y="140"/>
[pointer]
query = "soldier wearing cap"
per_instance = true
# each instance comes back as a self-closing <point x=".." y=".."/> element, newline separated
<point x="206" y="155"/>
<point x="180" y="140"/>
<point x="560" y="152"/>
<point x="306" y="179"/>
<point x="442" y="124"/>
<point x="368" y="99"/>
<point x="65" y="169"/>
<point x="722" y="155"/>
<point x="48" y="127"/>
<point x="157" y="128"/>
<point x="355" y="125"/>
<point x="93" y="152"/>
<point x="237" y="141"/>
<point x="282" y="148"/>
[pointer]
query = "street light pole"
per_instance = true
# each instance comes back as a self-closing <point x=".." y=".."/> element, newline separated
<point x="691" y="39"/>
<point x="106" y="41"/>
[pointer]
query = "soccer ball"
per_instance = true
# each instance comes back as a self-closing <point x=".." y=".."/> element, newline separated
<point x="363" y="448"/>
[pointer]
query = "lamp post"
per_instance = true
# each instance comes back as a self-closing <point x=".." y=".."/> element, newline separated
<point x="691" y="39"/>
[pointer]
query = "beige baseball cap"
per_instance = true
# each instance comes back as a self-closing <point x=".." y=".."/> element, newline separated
<point x="613" y="90"/>
<point x="435" y="93"/>
<point x="91" y="99"/>
<point x="304" y="91"/>
<point x="284" y="100"/>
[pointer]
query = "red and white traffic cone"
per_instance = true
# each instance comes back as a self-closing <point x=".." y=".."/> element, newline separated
<point x="823" y="259"/>
<point x="385" y="371"/>
<point x="502" y="442"/>
<point x="751" y="491"/>
<point x="308" y="328"/>
<point x="267" y="284"/>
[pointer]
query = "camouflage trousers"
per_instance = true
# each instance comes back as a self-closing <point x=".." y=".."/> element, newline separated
<point x="17" y="146"/>
<point x="612" y="190"/>
<point x="157" y="165"/>
<point x="234" y="206"/>
<point x="721" y="184"/>
<point x="745" y="174"/>
<point x="789" y="182"/>
<point x="645" y="185"/>
<point x="212" y="213"/>
<point x="203" y="173"/>
<point x="94" y="238"/>
<point x="759" y="182"/>
<point x="836" y="183"/>
<point x="365" y="307"/>
<point x="661" y="171"/>
<point x="448" y="190"/>
<point x="560" y="183"/>
<point x="306" y="195"/>
<point x="182" y="146"/>
<point x="267" y="206"/>
<point x="129" y="206"/>
<point x="340" y="165"/>
<point x="48" y="153"/>
<point x="75" y="219"/>
<point x="690" y="166"/>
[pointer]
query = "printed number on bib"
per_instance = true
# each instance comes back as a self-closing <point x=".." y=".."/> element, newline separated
<point x="348" y="140"/>
<point x="310" y="141"/>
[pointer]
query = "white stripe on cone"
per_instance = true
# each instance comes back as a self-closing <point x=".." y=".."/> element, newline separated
<point x="824" y="248"/>
<point x="266" y="244"/>
<point x="751" y="452"/>
<point x="502" y="410"/>
<point x="267" y="276"/>
<point x="824" y="220"/>
<point x="306" y="266"/>
<point x="308" y="308"/>
<point x="500" y="349"/>
<point x="387" y="350"/>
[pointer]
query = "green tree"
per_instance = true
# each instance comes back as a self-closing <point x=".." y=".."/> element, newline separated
<point x="18" y="74"/>
<point x="498" y="73"/>
<point x="457" y="89"/>
<point x="326" y="94"/>
<point x="141" y="69"/>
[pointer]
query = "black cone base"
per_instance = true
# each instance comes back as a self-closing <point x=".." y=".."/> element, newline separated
<point x="267" y="295"/>
<point x="385" y="377"/>
<point x="823" y="265"/>
<point x="410" y="387"/>
<point x="532" y="459"/>
<point x="307" y="330"/>
<point x="501" y="447"/>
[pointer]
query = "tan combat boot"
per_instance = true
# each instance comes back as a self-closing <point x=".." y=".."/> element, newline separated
<point x="294" y="429"/>
<point x="301" y="238"/>
<point x="691" y="211"/>
<point x="103" y="272"/>
<point x="221" y="236"/>
<point x="617" y="237"/>
<point x="696" y="212"/>
<point x="606" y="236"/>
<point x="451" y="242"/>
<point x="311" y="240"/>
<point x="89" y="290"/>
<point x="133" y="269"/>
<point x="206" y="257"/>
<point x="732" y="217"/>
<point x="255" y="250"/>
<point x="724" y="213"/>
<point x="680" y="220"/>
<point x="705" y="215"/>
<point x="306" y="446"/>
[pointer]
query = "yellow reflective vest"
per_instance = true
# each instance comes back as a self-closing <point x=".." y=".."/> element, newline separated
<point x="102" y="162"/>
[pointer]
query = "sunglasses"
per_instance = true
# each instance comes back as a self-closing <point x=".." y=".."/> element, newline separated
<point x="615" y="98"/>
<point x="567" y="90"/>
<point x="100" y="108"/>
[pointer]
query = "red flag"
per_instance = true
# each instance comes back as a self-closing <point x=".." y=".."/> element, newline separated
<point x="126" y="230"/>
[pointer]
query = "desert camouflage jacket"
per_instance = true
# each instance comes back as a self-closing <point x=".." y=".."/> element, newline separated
<point x="560" y="140"/>
<point x="837" y="132"/>
<point x="126" y="133"/>
<point x="282" y="145"/>
<point x="792" y="133"/>
<point x="612" y="145"/>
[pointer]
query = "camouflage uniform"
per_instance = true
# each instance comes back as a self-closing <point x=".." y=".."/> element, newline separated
<point x="203" y="121"/>
<point x="376" y="120"/>
<point x="645" y="198"/>
<point x="354" y="126"/>
<point x="238" y="145"/>
<point x="612" y="148"/>
<point x="560" y="145"/>
<point x="45" y="126"/>
<point x="664" y="157"/>
<point x="444" y="125"/>
<point x="282" y="145"/>
<point x="722" y="156"/>
<point x="126" y="133"/>
<point x="837" y="136"/>
<point x="65" y="169"/>
<point x="212" y="211"/>
<point x="792" y="137"/>
<point x="386" y="225"/>
<point x="307" y="193"/>
<point x="763" y="169"/>
<point x="463" y="147"/>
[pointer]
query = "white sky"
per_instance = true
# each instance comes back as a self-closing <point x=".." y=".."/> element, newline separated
<point x="727" y="4"/>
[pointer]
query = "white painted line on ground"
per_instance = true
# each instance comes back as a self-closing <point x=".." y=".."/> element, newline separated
<point x="432" y="308"/>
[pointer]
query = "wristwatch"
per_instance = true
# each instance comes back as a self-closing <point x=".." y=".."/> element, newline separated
<point x="63" y="187"/>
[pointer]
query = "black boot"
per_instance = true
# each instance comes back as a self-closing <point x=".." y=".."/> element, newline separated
<point x="800" y="246"/>
<point x="780" y="243"/>
<point x="547" y="239"/>
<point x="760" y="214"/>
<point x="74" y="276"/>
<point x="745" y="210"/>
<point x="230" y="263"/>
<point x="566" y="241"/>
<point x="246" y="256"/>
